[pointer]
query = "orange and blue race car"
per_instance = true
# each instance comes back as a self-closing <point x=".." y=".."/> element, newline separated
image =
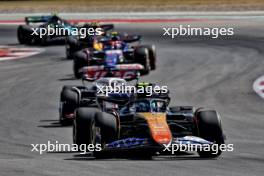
<point x="145" y="126"/>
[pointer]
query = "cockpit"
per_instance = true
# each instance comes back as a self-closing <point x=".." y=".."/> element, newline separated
<point x="109" y="85"/>
<point x="145" y="105"/>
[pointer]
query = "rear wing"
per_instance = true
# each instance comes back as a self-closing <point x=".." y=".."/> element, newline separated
<point x="120" y="99"/>
<point x="126" y="39"/>
<point x="132" y="38"/>
<point x="127" y="72"/>
<point x="107" y="27"/>
<point x="38" y="19"/>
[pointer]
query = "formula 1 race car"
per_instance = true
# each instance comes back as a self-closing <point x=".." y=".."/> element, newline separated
<point x="139" y="123"/>
<point x="52" y="30"/>
<point x="76" y="43"/>
<point x="74" y="96"/>
<point x="27" y="35"/>
<point x="113" y="53"/>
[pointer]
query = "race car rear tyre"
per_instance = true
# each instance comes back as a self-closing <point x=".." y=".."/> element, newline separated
<point x="71" y="46"/>
<point x="141" y="56"/>
<point x="69" y="102"/>
<point x="79" y="61"/>
<point x="24" y="34"/>
<point x="152" y="56"/>
<point x="209" y="128"/>
<point x="85" y="123"/>
<point x="69" y="96"/>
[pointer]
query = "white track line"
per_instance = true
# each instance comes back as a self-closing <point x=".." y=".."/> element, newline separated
<point x="19" y="53"/>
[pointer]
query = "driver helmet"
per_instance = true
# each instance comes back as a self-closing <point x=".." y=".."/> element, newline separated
<point x="142" y="107"/>
<point x="98" y="46"/>
<point x="116" y="44"/>
<point x="115" y="36"/>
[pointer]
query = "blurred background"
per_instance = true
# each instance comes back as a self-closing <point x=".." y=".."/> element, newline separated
<point x="30" y="6"/>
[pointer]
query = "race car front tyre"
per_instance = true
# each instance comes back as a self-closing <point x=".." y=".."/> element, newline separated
<point x="79" y="61"/>
<point x="109" y="133"/>
<point x="209" y="128"/>
<point x="24" y="34"/>
<point x="85" y="127"/>
<point x="108" y="126"/>
<point x="141" y="55"/>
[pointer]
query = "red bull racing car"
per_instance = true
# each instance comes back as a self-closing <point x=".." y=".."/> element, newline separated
<point x="113" y="54"/>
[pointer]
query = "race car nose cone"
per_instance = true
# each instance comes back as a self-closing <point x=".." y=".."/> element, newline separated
<point x="162" y="137"/>
<point x="160" y="131"/>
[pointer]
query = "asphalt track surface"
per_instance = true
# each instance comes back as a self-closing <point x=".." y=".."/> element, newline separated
<point x="199" y="71"/>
